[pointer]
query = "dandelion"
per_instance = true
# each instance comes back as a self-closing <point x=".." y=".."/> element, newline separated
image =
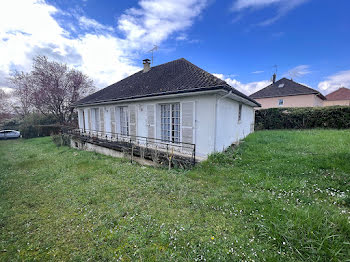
<point x="212" y="238"/>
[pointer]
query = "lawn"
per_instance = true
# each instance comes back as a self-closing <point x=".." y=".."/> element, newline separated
<point x="280" y="196"/>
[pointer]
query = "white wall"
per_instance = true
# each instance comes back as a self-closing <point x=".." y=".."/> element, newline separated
<point x="228" y="130"/>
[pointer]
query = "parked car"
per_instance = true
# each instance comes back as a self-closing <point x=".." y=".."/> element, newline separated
<point x="8" y="134"/>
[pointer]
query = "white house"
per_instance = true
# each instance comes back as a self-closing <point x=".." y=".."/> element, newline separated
<point x="174" y="103"/>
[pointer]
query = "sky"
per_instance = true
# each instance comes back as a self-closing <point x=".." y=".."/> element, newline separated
<point x="241" y="41"/>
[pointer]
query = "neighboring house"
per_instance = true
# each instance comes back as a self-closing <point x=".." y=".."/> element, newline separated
<point x="340" y="97"/>
<point x="287" y="93"/>
<point x="176" y="102"/>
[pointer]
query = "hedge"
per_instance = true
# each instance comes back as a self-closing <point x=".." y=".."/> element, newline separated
<point x="33" y="125"/>
<point x="303" y="118"/>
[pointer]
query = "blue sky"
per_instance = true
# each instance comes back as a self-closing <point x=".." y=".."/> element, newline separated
<point x="238" y="40"/>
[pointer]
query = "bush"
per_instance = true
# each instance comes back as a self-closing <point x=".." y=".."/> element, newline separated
<point x="61" y="140"/>
<point x="10" y="124"/>
<point x="303" y="118"/>
<point x="34" y="125"/>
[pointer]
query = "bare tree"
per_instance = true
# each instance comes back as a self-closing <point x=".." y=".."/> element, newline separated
<point x="24" y="86"/>
<point x="5" y="106"/>
<point x="52" y="88"/>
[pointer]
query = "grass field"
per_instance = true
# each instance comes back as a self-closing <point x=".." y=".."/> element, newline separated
<point x="281" y="196"/>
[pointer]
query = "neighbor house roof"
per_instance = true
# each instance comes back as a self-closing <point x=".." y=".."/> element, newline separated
<point x="340" y="94"/>
<point x="178" y="76"/>
<point x="285" y="87"/>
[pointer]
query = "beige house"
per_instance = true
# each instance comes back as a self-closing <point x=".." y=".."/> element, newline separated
<point x="340" y="97"/>
<point x="287" y="93"/>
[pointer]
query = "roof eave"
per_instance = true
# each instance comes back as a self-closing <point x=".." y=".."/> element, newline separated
<point x="150" y="96"/>
<point x="301" y="94"/>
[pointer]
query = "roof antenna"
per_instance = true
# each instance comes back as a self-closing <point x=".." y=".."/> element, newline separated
<point x="293" y="74"/>
<point x="276" y="67"/>
<point x="274" y="75"/>
<point x="155" y="48"/>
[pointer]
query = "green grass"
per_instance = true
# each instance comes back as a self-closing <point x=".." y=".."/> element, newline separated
<point x="281" y="196"/>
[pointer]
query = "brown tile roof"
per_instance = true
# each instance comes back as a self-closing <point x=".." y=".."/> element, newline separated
<point x="178" y="76"/>
<point x="340" y="94"/>
<point x="285" y="87"/>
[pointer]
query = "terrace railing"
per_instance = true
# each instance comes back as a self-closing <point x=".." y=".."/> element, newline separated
<point x="168" y="147"/>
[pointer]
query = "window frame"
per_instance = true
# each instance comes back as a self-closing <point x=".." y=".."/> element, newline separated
<point x="170" y="122"/>
<point x="279" y="102"/>
<point x="96" y="119"/>
<point x="124" y="120"/>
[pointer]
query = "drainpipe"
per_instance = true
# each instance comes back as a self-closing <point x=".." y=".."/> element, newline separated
<point x="216" y="116"/>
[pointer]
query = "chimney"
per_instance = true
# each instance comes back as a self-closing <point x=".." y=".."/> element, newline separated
<point x="274" y="78"/>
<point x="146" y="65"/>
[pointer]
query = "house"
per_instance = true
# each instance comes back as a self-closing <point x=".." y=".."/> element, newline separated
<point x="340" y="97"/>
<point x="172" y="105"/>
<point x="287" y="93"/>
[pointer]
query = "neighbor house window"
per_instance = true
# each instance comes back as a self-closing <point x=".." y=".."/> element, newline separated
<point x="280" y="102"/>
<point x="124" y="121"/>
<point x="239" y="112"/>
<point x="170" y="122"/>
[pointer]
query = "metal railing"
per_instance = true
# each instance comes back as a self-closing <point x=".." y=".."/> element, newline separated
<point x="171" y="148"/>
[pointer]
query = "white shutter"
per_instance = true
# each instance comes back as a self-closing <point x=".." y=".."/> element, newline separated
<point x="132" y="121"/>
<point x="80" y="119"/>
<point x="113" y="130"/>
<point x="117" y="119"/>
<point x="102" y="120"/>
<point x="150" y="121"/>
<point x="187" y="127"/>
<point x="96" y="119"/>
<point x="89" y="119"/>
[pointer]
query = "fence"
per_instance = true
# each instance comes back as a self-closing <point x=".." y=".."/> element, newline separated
<point x="144" y="147"/>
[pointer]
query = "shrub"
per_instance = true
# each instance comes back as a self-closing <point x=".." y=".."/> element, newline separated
<point x="61" y="140"/>
<point x="33" y="125"/>
<point x="303" y="118"/>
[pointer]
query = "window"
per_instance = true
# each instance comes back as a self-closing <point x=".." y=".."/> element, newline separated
<point x="239" y="112"/>
<point x="170" y="122"/>
<point x="124" y="121"/>
<point x="280" y="102"/>
<point x="96" y="119"/>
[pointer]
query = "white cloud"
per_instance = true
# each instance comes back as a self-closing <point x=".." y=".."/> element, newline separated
<point x="257" y="72"/>
<point x="298" y="71"/>
<point x="155" y="20"/>
<point x="242" y="4"/>
<point x="32" y="30"/>
<point x="282" y="7"/>
<point x="248" y="88"/>
<point x="181" y="37"/>
<point x="89" y="23"/>
<point x="333" y="82"/>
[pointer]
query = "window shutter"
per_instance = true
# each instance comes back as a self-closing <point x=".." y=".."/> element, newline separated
<point x="89" y="119"/>
<point x="102" y="120"/>
<point x="150" y="121"/>
<point x="112" y="121"/>
<point x="187" y="114"/>
<point x="132" y="121"/>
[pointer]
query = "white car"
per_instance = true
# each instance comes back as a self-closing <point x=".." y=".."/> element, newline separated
<point x="8" y="134"/>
